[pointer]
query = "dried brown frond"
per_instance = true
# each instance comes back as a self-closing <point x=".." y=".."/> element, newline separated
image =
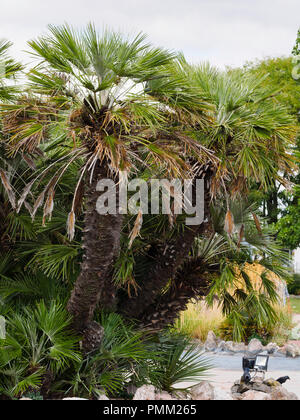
<point x="257" y="223"/>
<point x="49" y="205"/>
<point x="71" y="225"/>
<point x="8" y="188"/>
<point x="136" y="228"/>
<point x="38" y="203"/>
<point x="229" y="223"/>
<point x="241" y="235"/>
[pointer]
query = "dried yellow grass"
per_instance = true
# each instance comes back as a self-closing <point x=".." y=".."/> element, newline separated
<point x="199" y="319"/>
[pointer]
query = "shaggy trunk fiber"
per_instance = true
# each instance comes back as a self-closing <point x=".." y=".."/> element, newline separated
<point x="101" y="242"/>
<point x="191" y="281"/>
<point x="168" y="258"/>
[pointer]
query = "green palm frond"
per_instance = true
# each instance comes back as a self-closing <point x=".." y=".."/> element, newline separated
<point x="178" y="361"/>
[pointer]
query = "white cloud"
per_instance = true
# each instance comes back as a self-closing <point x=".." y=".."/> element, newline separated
<point x="225" y="32"/>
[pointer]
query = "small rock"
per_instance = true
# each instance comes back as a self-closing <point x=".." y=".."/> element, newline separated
<point x="74" y="399"/>
<point x="181" y="395"/>
<point x="164" y="396"/>
<point x="203" y="391"/>
<point x="103" y="397"/>
<point x="25" y="399"/>
<point x="211" y="341"/>
<point x="280" y="393"/>
<point x="255" y="346"/>
<point x="255" y="396"/>
<point x="145" y="392"/>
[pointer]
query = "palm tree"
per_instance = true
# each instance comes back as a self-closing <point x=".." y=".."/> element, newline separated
<point x="9" y="70"/>
<point x="110" y="105"/>
<point x="216" y="265"/>
<point x="90" y="100"/>
<point x="252" y="138"/>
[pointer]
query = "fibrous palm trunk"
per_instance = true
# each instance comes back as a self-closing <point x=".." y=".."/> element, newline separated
<point x="191" y="281"/>
<point x="169" y="258"/>
<point x="101" y="242"/>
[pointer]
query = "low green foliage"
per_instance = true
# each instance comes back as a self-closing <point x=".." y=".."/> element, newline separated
<point x="294" y="285"/>
<point x="178" y="361"/>
<point x="41" y="357"/>
<point x="266" y="330"/>
<point x="38" y="345"/>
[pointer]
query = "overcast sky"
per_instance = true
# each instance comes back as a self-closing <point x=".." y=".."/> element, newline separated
<point x="224" y="32"/>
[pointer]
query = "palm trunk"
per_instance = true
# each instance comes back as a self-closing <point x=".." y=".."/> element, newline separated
<point x="101" y="242"/>
<point x="168" y="259"/>
<point x="191" y="281"/>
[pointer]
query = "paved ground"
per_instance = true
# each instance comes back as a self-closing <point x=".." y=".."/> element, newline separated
<point x="229" y="368"/>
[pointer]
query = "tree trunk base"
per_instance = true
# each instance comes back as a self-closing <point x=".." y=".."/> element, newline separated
<point x="92" y="337"/>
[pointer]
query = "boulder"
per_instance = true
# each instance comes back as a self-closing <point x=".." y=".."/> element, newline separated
<point x="211" y="342"/>
<point x="145" y="392"/>
<point x="203" y="391"/>
<point x="242" y="388"/>
<point x="182" y="395"/>
<point x="271" y="382"/>
<point x="103" y="397"/>
<point x="239" y="347"/>
<point x="236" y="396"/>
<point x="229" y="346"/>
<point x="292" y="350"/>
<point x="222" y="395"/>
<point x="271" y="348"/>
<point x="261" y="388"/>
<point x="221" y="346"/>
<point x="164" y="396"/>
<point x="280" y="393"/>
<point x="255" y="396"/>
<point x="257" y="384"/>
<point x="255" y="346"/>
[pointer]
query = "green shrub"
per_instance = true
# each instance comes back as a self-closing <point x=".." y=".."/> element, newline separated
<point x="278" y="331"/>
<point x="39" y="345"/>
<point x="177" y="361"/>
<point x="294" y="286"/>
